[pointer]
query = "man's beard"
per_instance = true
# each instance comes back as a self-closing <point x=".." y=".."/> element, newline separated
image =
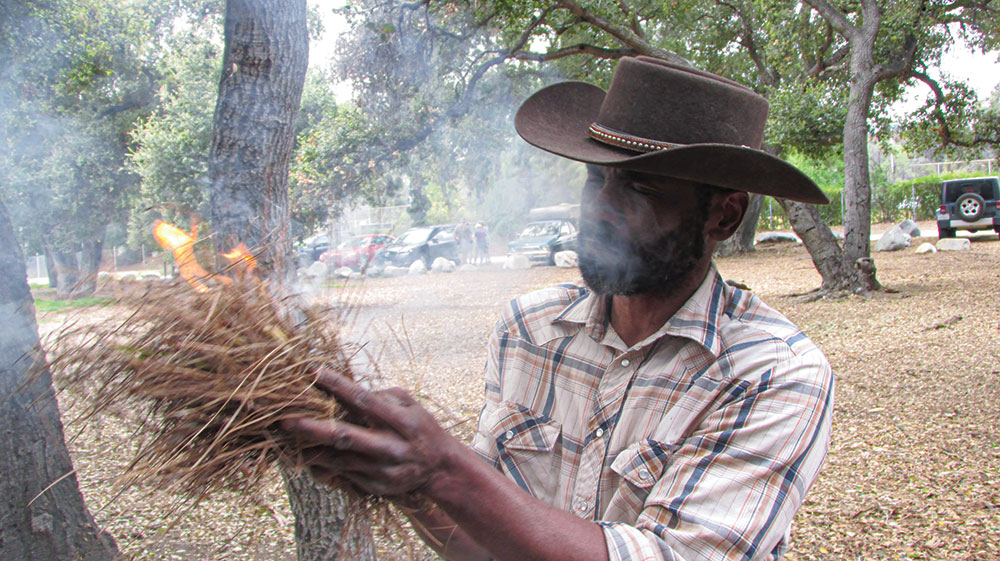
<point x="612" y="264"/>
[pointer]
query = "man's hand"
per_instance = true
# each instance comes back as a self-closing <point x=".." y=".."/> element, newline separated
<point x="401" y="451"/>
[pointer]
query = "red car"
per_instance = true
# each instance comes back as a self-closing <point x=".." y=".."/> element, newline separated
<point x="355" y="252"/>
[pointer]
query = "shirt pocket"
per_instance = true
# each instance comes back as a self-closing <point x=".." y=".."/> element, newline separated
<point x="639" y="466"/>
<point x="527" y="445"/>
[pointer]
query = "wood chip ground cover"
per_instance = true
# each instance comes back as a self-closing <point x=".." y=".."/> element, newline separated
<point x="914" y="464"/>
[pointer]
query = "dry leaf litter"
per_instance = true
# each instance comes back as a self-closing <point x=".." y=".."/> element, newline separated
<point x="914" y="464"/>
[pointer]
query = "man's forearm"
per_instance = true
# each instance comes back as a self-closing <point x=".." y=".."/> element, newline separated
<point x="443" y="535"/>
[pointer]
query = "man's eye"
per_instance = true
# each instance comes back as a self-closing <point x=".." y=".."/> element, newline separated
<point x="643" y="189"/>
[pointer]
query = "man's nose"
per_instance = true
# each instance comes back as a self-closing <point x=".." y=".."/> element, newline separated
<point x="604" y="203"/>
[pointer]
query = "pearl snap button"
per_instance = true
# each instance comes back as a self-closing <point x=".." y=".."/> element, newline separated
<point x="599" y="433"/>
<point x="510" y="434"/>
<point x="626" y="362"/>
<point x="644" y="474"/>
<point x="581" y="506"/>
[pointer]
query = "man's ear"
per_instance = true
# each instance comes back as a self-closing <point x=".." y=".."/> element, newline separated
<point x="726" y="214"/>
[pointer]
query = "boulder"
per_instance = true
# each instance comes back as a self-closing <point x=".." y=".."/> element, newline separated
<point x="893" y="239"/>
<point x="343" y="272"/>
<point x="910" y="228"/>
<point x="127" y="277"/>
<point x="926" y="247"/>
<point x="417" y="268"/>
<point x="151" y="276"/>
<point x="777" y="237"/>
<point x="566" y="259"/>
<point x="442" y="265"/>
<point x="517" y="262"/>
<point x="317" y="270"/>
<point x="954" y="244"/>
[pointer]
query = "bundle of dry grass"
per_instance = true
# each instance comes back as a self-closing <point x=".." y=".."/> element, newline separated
<point x="208" y="376"/>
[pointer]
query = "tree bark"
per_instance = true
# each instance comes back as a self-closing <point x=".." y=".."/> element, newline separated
<point x="822" y="245"/>
<point x="76" y="278"/>
<point x="264" y="66"/>
<point x="42" y="513"/>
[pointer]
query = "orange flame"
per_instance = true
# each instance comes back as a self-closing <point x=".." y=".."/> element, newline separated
<point x="242" y="255"/>
<point x="181" y="244"/>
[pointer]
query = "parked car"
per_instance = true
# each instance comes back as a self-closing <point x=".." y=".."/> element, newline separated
<point x="969" y="204"/>
<point x="423" y="242"/>
<point x="311" y="248"/>
<point x="542" y="240"/>
<point x="356" y="252"/>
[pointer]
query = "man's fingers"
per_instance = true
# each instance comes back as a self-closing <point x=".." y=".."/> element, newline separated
<point x="383" y="407"/>
<point x="347" y="437"/>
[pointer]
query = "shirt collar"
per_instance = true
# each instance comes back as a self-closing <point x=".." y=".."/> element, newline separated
<point x="697" y="319"/>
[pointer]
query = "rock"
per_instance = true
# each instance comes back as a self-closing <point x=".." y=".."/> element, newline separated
<point x="151" y="276"/>
<point x="893" y="239"/>
<point x="105" y="276"/>
<point x="566" y="259"/>
<point x="954" y="244"/>
<point x="317" y="270"/>
<point x="926" y="247"/>
<point x="517" y="262"/>
<point x="391" y="271"/>
<point x="467" y="267"/>
<point x="343" y="272"/>
<point x="417" y="268"/>
<point x="910" y="228"/>
<point x="442" y="265"/>
<point x="777" y="237"/>
<point x="129" y="277"/>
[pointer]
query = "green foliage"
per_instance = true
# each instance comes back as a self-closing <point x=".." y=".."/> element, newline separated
<point x="172" y="145"/>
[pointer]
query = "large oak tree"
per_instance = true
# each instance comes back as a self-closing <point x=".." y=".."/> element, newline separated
<point x="263" y="72"/>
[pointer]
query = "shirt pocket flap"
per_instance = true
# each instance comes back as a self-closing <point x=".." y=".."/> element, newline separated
<point x="642" y="463"/>
<point x="519" y="428"/>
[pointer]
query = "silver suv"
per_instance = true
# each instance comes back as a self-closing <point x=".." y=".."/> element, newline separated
<point x="969" y="204"/>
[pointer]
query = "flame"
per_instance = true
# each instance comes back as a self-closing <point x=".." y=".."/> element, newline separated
<point x="241" y="256"/>
<point x="181" y="244"/>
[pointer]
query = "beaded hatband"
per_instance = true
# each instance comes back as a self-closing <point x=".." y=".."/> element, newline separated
<point x="631" y="142"/>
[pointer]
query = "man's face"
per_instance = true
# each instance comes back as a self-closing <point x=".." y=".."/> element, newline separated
<point x="639" y="233"/>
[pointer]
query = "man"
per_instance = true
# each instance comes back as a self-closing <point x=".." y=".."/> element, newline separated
<point x="653" y="413"/>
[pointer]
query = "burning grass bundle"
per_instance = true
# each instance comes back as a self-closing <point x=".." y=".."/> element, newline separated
<point x="208" y="376"/>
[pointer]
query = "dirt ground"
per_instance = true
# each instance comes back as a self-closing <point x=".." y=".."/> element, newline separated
<point x="914" y="464"/>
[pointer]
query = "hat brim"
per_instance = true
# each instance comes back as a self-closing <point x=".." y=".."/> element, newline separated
<point x="557" y="118"/>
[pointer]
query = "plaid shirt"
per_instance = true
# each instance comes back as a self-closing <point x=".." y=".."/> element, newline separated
<point x="699" y="442"/>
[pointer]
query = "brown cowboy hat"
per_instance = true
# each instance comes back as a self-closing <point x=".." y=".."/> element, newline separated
<point x="667" y="120"/>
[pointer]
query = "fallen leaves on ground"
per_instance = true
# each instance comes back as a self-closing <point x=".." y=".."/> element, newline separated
<point x="914" y="464"/>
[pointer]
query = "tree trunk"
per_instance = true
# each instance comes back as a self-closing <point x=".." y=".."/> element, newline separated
<point x="76" y="278"/>
<point x="325" y="529"/>
<point x="42" y="513"/>
<point x="263" y="72"/>
<point x="744" y="238"/>
<point x="822" y="245"/>
<point x="50" y="268"/>
<point x="857" y="182"/>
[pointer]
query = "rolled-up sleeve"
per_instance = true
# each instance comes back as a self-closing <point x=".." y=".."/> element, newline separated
<point x="730" y="490"/>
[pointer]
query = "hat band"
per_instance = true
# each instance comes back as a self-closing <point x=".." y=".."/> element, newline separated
<point x="628" y="141"/>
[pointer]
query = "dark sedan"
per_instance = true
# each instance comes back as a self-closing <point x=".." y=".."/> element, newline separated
<point x="425" y="243"/>
<point x="542" y="240"/>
